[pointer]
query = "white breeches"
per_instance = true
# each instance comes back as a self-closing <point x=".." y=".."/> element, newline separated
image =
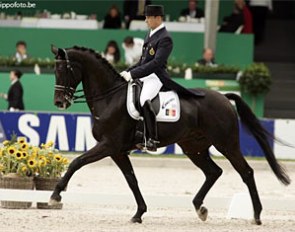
<point x="151" y="87"/>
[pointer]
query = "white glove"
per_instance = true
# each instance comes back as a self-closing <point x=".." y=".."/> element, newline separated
<point x="126" y="75"/>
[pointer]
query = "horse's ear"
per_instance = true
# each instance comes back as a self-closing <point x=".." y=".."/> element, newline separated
<point x="54" y="50"/>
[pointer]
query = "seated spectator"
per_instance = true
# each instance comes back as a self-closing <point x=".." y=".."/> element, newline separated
<point x="232" y="22"/>
<point x="21" y="51"/>
<point x="112" y="52"/>
<point x="248" y="24"/>
<point x="193" y="10"/>
<point x="208" y="58"/>
<point x="113" y="19"/>
<point x="133" y="49"/>
<point x="15" y="92"/>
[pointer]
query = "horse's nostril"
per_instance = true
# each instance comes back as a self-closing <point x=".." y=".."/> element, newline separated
<point x="58" y="103"/>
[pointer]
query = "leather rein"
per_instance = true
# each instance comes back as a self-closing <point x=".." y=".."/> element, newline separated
<point x="69" y="92"/>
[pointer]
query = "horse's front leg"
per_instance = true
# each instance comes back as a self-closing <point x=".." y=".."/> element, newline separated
<point x="123" y="162"/>
<point x="96" y="153"/>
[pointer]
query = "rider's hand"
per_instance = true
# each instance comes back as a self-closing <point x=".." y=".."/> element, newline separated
<point x="126" y="75"/>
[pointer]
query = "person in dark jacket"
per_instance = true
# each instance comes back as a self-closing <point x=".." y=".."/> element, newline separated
<point x="151" y="69"/>
<point x="113" y="19"/>
<point x="208" y="58"/>
<point x="15" y="92"/>
<point x="134" y="10"/>
<point x="193" y="10"/>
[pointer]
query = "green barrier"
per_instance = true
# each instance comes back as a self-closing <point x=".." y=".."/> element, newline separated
<point x="231" y="49"/>
<point x="39" y="91"/>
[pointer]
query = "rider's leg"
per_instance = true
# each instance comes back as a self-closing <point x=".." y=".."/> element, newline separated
<point x="150" y="89"/>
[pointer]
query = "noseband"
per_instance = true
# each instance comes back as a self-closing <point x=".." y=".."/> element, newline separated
<point x="68" y="91"/>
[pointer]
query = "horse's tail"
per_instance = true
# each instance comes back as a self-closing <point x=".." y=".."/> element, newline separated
<point x="261" y="135"/>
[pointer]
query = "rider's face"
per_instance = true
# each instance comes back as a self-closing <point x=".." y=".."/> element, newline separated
<point x="153" y="21"/>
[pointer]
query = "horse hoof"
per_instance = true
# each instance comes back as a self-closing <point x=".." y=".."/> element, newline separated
<point x="136" y="220"/>
<point x="53" y="202"/>
<point x="202" y="213"/>
<point x="257" y="222"/>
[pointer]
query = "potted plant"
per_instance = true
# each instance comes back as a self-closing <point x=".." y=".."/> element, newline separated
<point x="255" y="82"/>
<point x="17" y="168"/>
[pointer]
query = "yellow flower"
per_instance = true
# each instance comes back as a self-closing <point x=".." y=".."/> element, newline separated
<point x="5" y="142"/>
<point x="21" y="139"/>
<point x="65" y="160"/>
<point x="25" y="154"/>
<point x="42" y="162"/>
<point x="49" y="144"/>
<point x="1" y="152"/>
<point x="32" y="163"/>
<point x="24" y="146"/>
<point x="58" y="158"/>
<point x="18" y="155"/>
<point x="24" y="169"/>
<point x="11" y="150"/>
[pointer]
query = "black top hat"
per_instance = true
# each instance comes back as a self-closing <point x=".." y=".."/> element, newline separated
<point x="154" y="10"/>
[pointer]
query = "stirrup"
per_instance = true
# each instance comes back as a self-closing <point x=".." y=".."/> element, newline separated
<point x="151" y="145"/>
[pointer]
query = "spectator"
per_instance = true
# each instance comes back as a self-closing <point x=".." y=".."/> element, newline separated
<point x="15" y="92"/>
<point x="113" y="19"/>
<point x="208" y="58"/>
<point x="112" y="52"/>
<point x="193" y="11"/>
<point x="133" y="49"/>
<point x="248" y="22"/>
<point x="21" y="51"/>
<point x="232" y="22"/>
<point x="259" y="10"/>
<point x="134" y="10"/>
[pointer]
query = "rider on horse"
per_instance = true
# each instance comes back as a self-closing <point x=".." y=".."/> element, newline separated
<point x="151" y="69"/>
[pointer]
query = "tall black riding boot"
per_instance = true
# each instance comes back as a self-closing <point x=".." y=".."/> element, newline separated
<point x="151" y="126"/>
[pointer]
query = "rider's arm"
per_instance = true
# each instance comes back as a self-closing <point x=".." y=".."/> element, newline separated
<point x="161" y="56"/>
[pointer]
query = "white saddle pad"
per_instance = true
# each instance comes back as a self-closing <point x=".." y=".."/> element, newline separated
<point x="169" y="106"/>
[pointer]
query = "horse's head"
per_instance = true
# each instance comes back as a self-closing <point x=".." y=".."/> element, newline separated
<point x="68" y="75"/>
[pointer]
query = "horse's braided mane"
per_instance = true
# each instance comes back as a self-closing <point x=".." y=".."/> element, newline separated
<point x="98" y="57"/>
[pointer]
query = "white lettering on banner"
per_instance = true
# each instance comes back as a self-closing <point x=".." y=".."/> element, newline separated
<point x="57" y="128"/>
<point x="84" y="134"/>
<point x="25" y="124"/>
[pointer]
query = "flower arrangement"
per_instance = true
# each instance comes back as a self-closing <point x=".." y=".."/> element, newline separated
<point x="23" y="159"/>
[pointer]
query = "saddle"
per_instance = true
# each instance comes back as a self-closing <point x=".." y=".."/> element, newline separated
<point x="166" y="104"/>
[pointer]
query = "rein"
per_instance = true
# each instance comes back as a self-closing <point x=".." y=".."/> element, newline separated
<point x="69" y="92"/>
<point x="98" y="97"/>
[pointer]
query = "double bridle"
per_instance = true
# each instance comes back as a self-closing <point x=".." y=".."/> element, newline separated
<point x="67" y="89"/>
<point x="69" y="92"/>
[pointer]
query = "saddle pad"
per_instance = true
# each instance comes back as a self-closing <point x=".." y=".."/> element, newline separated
<point x="169" y="106"/>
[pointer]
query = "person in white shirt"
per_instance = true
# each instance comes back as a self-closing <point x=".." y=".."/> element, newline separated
<point x="133" y="49"/>
<point x="21" y="51"/>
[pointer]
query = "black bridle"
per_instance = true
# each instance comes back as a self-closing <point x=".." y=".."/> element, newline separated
<point x="69" y="92"/>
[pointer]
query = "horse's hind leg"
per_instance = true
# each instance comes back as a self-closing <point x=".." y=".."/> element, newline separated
<point x="125" y="165"/>
<point x="212" y="173"/>
<point x="246" y="172"/>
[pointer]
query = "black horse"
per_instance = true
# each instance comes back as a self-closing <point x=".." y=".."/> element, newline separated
<point x="204" y="121"/>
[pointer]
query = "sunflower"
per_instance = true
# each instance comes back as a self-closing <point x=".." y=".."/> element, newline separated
<point x="65" y="160"/>
<point x="11" y="150"/>
<point x="21" y="140"/>
<point x="1" y="152"/>
<point x="24" y="169"/>
<point x="25" y="154"/>
<point x="32" y="163"/>
<point x="58" y="158"/>
<point x="49" y="144"/>
<point x="24" y="146"/>
<point x="6" y="142"/>
<point x="42" y="162"/>
<point x="18" y="155"/>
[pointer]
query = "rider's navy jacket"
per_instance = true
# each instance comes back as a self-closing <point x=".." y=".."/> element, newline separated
<point x="155" y="52"/>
